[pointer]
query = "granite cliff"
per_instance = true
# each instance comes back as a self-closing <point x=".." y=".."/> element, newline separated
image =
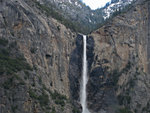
<point x="118" y="56"/>
<point x="41" y="60"/>
<point x="119" y="76"/>
<point x="74" y="14"/>
<point x="34" y="60"/>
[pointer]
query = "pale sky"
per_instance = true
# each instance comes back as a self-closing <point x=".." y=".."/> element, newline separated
<point x="94" y="4"/>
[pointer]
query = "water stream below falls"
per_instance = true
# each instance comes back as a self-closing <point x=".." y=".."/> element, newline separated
<point x="84" y="81"/>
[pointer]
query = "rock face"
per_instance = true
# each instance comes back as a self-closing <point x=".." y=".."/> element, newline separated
<point x="41" y="62"/>
<point x="46" y="45"/>
<point x="75" y="70"/>
<point x="116" y="5"/>
<point x="119" y="76"/>
<point x="73" y="13"/>
<point x="77" y="16"/>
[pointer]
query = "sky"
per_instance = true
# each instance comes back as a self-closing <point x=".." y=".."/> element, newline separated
<point x="94" y="4"/>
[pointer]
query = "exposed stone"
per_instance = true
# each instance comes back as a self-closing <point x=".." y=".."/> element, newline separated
<point x="120" y="71"/>
<point x="45" y="48"/>
<point x="117" y="53"/>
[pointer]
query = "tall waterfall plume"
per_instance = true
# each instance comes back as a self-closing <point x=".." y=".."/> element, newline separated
<point x="84" y="81"/>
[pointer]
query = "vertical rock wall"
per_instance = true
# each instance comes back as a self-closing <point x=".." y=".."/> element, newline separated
<point x="46" y="46"/>
<point x="119" y="76"/>
<point x="118" y="62"/>
<point x="148" y="37"/>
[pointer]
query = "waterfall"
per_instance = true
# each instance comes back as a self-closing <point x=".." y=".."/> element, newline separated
<point x="84" y="79"/>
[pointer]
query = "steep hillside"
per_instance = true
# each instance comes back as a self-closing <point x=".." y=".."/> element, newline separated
<point x="72" y="13"/>
<point x="115" y="5"/>
<point x="76" y="15"/>
<point x="41" y="60"/>
<point x="34" y="60"/>
<point x="119" y="76"/>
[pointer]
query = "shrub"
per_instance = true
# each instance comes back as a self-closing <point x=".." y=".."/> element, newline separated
<point x="59" y="99"/>
<point x="14" y="108"/>
<point x="53" y="110"/>
<point x="115" y="75"/>
<point x="52" y="11"/>
<point x="32" y="94"/>
<point x="56" y="95"/>
<point x="75" y="110"/>
<point x="43" y="99"/>
<point x="124" y="99"/>
<point x="40" y="80"/>
<point x="147" y="107"/>
<point x="8" y="84"/>
<point x="60" y="102"/>
<point x="3" y="42"/>
<point x="11" y="65"/>
<point x="12" y="44"/>
<point x="124" y="110"/>
<point x="33" y="50"/>
<point x="27" y="74"/>
<point x="4" y="51"/>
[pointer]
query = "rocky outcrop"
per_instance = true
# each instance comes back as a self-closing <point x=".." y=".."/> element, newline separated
<point x="41" y="62"/>
<point x="119" y="76"/>
<point x="115" y="6"/>
<point x="45" y="44"/>
<point x="75" y="70"/>
<point x="72" y="13"/>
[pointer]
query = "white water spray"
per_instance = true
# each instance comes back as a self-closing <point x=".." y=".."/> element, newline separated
<point x="84" y="80"/>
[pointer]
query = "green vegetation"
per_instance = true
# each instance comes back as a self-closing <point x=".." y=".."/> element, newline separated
<point x="14" y="108"/>
<point x="10" y="64"/>
<point x="53" y="110"/>
<point x="32" y="94"/>
<point x="9" y="83"/>
<point x="60" y="102"/>
<point x="116" y="74"/>
<point x="56" y="95"/>
<point x="131" y="83"/>
<point x="75" y="110"/>
<point x="12" y="45"/>
<point x="33" y="50"/>
<point x="116" y="13"/>
<point x="51" y="10"/>
<point x="27" y="74"/>
<point x="78" y="25"/>
<point x="147" y="107"/>
<point x="3" y="42"/>
<point x="40" y="80"/>
<point x="43" y="98"/>
<point x="59" y="99"/>
<point x="127" y="68"/>
<point x="124" y="99"/>
<point x="124" y="110"/>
